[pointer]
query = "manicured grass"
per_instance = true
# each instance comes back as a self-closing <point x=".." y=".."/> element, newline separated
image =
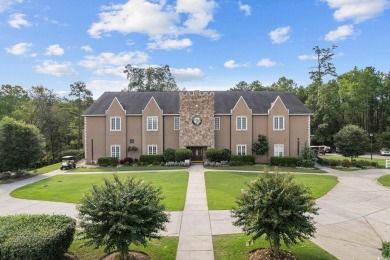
<point x="47" y="169"/>
<point x="233" y="247"/>
<point x="381" y="162"/>
<point x="70" y="187"/>
<point x="385" y="180"/>
<point x="127" y="169"/>
<point x="259" y="167"/>
<point x="224" y="187"/>
<point x="164" y="248"/>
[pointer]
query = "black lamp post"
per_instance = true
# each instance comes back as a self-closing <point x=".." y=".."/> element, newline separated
<point x="298" y="146"/>
<point x="371" y="144"/>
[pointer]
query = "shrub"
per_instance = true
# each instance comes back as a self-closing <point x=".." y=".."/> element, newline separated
<point x="284" y="161"/>
<point x="169" y="155"/>
<point x="119" y="214"/>
<point x="214" y="154"/>
<point x="226" y="155"/>
<point x="275" y="206"/>
<point x="386" y="250"/>
<point x="126" y="161"/>
<point x="307" y="157"/>
<point x="107" y="161"/>
<point x="244" y="159"/>
<point x="183" y="154"/>
<point x="151" y="159"/>
<point x="346" y="163"/>
<point x="35" y="236"/>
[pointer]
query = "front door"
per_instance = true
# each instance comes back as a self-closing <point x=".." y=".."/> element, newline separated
<point x="197" y="153"/>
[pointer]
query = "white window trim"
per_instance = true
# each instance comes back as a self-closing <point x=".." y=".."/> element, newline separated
<point x="219" y="123"/>
<point x="246" y="123"/>
<point x="153" y="147"/>
<point x="112" y="125"/>
<point x="273" y="123"/>
<point x="147" y="123"/>
<point x="241" y="146"/>
<point x="119" y="150"/>
<point x="176" y="119"/>
<point x="277" y="148"/>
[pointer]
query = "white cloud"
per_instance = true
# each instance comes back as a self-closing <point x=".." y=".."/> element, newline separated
<point x="280" y="35"/>
<point x="307" y="57"/>
<point x="156" y="18"/>
<point x="170" y="44"/>
<point x="341" y="33"/>
<point x="357" y="10"/>
<point x="99" y="86"/>
<point x="266" y="63"/>
<point x="57" y="69"/>
<point x="5" y="4"/>
<point x="109" y="59"/>
<point x="116" y="71"/>
<point x="188" y="74"/>
<point x="20" y="48"/>
<point x="17" y="20"/>
<point x="86" y="48"/>
<point x="245" y="8"/>
<point x="54" y="49"/>
<point x="231" y="64"/>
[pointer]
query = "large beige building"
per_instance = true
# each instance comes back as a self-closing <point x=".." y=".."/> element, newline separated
<point x="197" y="120"/>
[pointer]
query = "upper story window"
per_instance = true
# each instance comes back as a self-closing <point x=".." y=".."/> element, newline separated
<point x="278" y="122"/>
<point x="176" y="123"/>
<point x="241" y="149"/>
<point x="217" y="123"/>
<point x="115" y="123"/>
<point x="241" y="123"/>
<point x="152" y="149"/>
<point x="152" y="123"/>
<point x="115" y="151"/>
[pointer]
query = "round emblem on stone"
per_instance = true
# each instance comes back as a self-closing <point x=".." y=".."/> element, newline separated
<point x="197" y="120"/>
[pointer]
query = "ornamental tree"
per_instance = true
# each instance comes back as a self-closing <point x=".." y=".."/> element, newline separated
<point x="119" y="214"/>
<point x="275" y="206"/>
<point x="307" y="157"/>
<point x="352" y="141"/>
<point x="261" y="146"/>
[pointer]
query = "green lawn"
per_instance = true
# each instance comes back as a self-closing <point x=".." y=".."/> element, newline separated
<point x="385" y="180"/>
<point x="70" y="187"/>
<point x="224" y="187"/>
<point x="381" y="162"/>
<point x="233" y="247"/>
<point x="47" y="169"/>
<point x="127" y="169"/>
<point x="159" y="249"/>
<point x="259" y="167"/>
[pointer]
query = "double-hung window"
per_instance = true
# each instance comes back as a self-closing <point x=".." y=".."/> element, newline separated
<point x="241" y="123"/>
<point x="115" y="123"/>
<point x="176" y="123"/>
<point x="278" y="149"/>
<point x="278" y="123"/>
<point x="241" y="149"/>
<point x="152" y="149"/>
<point x="115" y="151"/>
<point x="217" y="123"/>
<point x="152" y="123"/>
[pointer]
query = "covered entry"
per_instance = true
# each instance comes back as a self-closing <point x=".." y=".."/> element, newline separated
<point x="198" y="153"/>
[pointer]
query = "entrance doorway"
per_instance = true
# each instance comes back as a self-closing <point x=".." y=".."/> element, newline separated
<point x="198" y="153"/>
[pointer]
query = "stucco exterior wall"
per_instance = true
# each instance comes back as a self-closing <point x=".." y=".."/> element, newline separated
<point x="260" y="127"/>
<point x="222" y="136"/>
<point x="171" y="136"/>
<point x="299" y="128"/>
<point x="94" y="132"/>
<point x="278" y="136"/>
<point x="116" y="137"/>
<point x="152" y="137"/>
<point x="134" y="131"/>
<point x="243" y="137"/>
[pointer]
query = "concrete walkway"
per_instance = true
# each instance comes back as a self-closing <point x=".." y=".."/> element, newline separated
<point x="353" y="220"/>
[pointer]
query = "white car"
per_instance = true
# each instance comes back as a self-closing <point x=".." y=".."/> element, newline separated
<point x="385" y="151"/>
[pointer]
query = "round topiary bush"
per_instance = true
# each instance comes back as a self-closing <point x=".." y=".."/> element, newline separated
<point x="35" y="236"/>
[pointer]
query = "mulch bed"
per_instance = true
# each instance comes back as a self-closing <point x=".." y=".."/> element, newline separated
<point x="266" y="254"/>
<point x="134" y="255"/>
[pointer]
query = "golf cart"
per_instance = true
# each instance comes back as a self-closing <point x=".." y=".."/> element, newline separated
<point x="68" y="162"/>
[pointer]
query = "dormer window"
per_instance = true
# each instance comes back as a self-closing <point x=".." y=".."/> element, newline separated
<point x="241" y="123"/>
<point x="278" y="123"/>
<point x="152" y="123"/>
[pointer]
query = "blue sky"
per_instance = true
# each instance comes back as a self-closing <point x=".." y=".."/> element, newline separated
<point x="209" y="44"/>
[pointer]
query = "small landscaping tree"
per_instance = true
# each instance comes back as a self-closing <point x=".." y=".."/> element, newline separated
<point x="275" y="206"/>
<point x="132" y="149"/>
<point x="119" y="214"/>
<point x="352" y="141"/>
<point x="183" y="154"/>
<point x="261" y="146"/>
<point x="307" y="157"/>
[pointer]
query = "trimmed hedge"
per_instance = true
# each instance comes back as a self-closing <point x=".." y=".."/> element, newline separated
<point x="242" y="160"/>
<point x="151" y="159"/>
<point x="214" y="154"/>
<point x="346" y="163"/>
<point x="43" y="237"/>
<point x="107" y="161"/>
<point x="183" y="154"/>
<point x="169" y="155"/>
<point x="284" y="161"/>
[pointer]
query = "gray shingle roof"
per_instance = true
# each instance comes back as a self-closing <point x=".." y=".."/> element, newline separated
<point x="135" y="102"/>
